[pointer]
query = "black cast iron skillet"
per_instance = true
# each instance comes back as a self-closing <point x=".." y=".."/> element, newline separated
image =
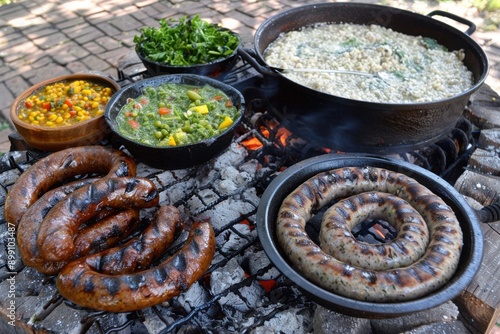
<point x="354" y="125"/>
<point x="173" y="157"/>
<point x="295" y="175"/>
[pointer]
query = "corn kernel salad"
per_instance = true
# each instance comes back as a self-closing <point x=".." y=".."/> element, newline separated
<point x="176" y="114"/>
<point x="65" y="103"/>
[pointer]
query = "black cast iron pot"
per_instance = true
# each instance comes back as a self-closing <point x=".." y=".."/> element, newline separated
<point x="354" y="125"/>
<point x="173" y="157"/>
<point x="295" y="175"/>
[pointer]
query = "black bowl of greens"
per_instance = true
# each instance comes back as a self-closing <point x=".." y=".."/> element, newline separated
<point x="188" y="45"/>
<point x="175" y="121"/>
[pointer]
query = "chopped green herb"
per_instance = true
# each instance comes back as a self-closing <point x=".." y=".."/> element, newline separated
<point x="185" y="42"/>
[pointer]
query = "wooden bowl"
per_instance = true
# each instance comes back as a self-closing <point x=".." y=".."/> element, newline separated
<point x="89" y="132"/>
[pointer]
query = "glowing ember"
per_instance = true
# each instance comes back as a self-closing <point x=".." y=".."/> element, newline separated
<point x="252" y="144"/>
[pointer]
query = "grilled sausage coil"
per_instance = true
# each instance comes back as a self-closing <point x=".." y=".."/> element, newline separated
<point x="59" y="166"/>
<point x="338" y="221"/>
<point x="56" y="234"/>
<point x="427" y="274"/>
<point x="84" y="285"/>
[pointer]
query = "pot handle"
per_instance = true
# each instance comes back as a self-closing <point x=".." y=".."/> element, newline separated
<point x="470" y="24"/>
<point x="248" y="55"/>
<point x="489" y="213"/>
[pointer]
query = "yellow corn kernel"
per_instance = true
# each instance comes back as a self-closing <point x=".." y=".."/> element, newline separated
<point x="66" y="115"/>
<point x="59" y="119"/>
<point x="52" y="117"/>
<point x="35" y="122"/>
<point x="203" y="109"/>
<point x="225" y="123"/>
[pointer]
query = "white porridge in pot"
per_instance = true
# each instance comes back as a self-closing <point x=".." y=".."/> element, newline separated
<point x="413" y="69"/>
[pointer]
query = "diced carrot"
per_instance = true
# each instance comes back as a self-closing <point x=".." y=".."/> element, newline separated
<point x="133" y="123"/>
<point x="229" y="103"/>
<point x="164" y="111"/>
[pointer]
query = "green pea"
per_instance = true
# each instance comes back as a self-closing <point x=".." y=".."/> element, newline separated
<point x="158" y="134"/>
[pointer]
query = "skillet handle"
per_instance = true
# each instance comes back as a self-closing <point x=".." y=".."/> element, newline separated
<point x="470" y="24"/>
<point x="248" y="55"/>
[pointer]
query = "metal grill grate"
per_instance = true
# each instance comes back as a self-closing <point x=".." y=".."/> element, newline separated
<point x="251" y="293"/>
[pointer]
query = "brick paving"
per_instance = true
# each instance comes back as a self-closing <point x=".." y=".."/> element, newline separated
<point x="40" y="39"/>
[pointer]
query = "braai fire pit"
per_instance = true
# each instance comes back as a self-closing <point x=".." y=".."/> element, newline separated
<point x="243" y="291"/>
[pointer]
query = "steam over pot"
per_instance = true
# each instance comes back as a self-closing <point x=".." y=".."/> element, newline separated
<point x="359" y="126"/>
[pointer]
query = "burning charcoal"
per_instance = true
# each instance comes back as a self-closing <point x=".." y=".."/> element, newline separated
<point x="329" y="322"/>
<point x="233" y="156"/>
<point x="223" y="278"/>
<point x="227" y="211"/>
<point x="246" y="299"/>
<point x="445" y="312"/>
<point x="290" y="321"/>
<point x="152" y="322"/>
<point x="226" y="187"/>
<point x="231" y="240"/>
<point x="166" y="178"/>
<point x="193" y="298"/>
<point x="257" y="260"/>
<point x="484" y="108"/>
<point x="177" y="191"/>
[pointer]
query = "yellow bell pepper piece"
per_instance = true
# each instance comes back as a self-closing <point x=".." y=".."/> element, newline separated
<point x="203" y="109"/>
<point x="225" y="123"/>
<point x="171" y="141"/>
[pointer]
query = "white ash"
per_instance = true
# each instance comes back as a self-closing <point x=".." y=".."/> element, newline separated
<point x="330" y="322"/>
<point x="250" y="168"/>
<point x="143" y="169"/>
<point x="226" y="211"/>
<point x="233" y="156"/>
<point x="247" y="299"/>
<point x="225" y="277"/>
<point x="251" y="196"/>
<point x="153" y="323"/>
<point x="291" y="321"/>
<point x="193" y="297"/>
<point x="258" y="260"/>
<point x="232" y="241"/>
<point x="165" y="178"/>
<point x="177" y="191"/>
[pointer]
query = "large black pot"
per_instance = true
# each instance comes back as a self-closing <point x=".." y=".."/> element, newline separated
<point x="359" y="126"/>
<point x="295" y="175"/>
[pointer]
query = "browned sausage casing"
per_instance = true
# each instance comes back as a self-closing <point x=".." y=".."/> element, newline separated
<point x="56" y="236"/>
<point x="61" y="165"/>
<point x="427" y="274"/>
<point x="81" y="284"/>
<point x="111" y="230"/>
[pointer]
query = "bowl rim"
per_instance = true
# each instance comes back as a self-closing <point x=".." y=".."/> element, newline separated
<point x="163" y="79"/>
<point x="30" y="90"/>
<point x="143" y="57"/>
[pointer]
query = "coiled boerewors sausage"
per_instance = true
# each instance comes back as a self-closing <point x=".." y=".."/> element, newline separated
<point x="81" y="284"/>
<point x="338" y="221"/>
<point x="59" y="166"/>
<point x="56" y="235"/>
<point x="427" y="274"/>
<point x="110" y="230"/>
